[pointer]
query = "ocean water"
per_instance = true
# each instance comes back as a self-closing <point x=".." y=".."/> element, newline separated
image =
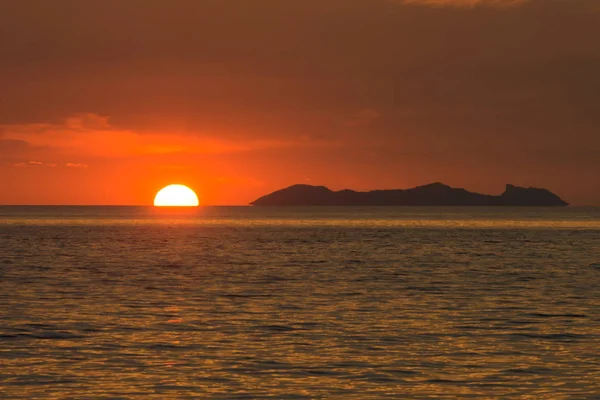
<point x="299" y="303"/>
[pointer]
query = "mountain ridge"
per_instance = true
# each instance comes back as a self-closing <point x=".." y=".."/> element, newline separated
<point x="433" y="194"/>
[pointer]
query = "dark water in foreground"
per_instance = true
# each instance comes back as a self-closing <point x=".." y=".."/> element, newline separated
<point x="299" y="303"/>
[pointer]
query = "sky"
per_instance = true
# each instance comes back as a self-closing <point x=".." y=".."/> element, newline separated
<point x="107" y="101"/>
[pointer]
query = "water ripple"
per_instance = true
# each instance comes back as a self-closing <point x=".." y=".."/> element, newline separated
<point x="369" y="304"/>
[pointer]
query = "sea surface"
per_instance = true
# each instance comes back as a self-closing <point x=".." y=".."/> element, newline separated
<point x="299" y="303"/>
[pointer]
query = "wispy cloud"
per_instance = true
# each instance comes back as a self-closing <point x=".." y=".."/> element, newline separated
<point x="33" y="164"/>
<point x="91" y="135"/>
<point x="76" y="165"/>
<point x="44" y="164"/>
<point x="463" y="3"/>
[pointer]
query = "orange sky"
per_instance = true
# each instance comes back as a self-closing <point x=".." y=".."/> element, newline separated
<point x="105" y="102"/>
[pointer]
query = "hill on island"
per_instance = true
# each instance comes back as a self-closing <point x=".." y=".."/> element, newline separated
<point x="435" y="194"/>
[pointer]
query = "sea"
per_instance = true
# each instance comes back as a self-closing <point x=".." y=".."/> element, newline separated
<point x="299" y="303"/>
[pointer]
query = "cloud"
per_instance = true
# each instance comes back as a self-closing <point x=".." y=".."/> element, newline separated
<point x="463" y="3"/>
<point x="87" y="121"/>
<point x="48" y="164"/>
<point x="13" y="146"/>
<point x="34" y="164"/>
<point x="91" y="135"/>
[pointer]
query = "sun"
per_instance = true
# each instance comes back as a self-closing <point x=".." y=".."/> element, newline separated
<point x="176" y="196"/>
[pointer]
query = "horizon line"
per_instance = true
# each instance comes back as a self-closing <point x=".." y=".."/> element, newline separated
<point x="254" y="206"/>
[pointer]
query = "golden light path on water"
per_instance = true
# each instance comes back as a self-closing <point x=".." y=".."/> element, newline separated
<point x="233" y="303"/>
<point x="420" y="223"/>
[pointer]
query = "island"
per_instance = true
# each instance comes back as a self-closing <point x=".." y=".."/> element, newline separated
<point x="435" y="194"/>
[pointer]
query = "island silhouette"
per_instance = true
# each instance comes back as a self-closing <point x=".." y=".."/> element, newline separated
<point x="434" y="194"/>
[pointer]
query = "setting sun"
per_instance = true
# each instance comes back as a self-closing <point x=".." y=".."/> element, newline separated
<point x="176" y="196"/>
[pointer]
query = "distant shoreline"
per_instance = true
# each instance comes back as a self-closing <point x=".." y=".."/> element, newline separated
<point x="435" y="194"/>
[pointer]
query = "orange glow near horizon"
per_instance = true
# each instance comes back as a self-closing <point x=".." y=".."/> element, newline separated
<point x="86" y="120"/>
<point x="176" y="196"/>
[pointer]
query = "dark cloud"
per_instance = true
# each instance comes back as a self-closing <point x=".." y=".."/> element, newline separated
<point x="12" y="150"/>
<point x="11" y="146"/>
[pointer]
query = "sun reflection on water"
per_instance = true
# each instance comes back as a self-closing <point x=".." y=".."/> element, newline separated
<point x="305" y="306"/>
